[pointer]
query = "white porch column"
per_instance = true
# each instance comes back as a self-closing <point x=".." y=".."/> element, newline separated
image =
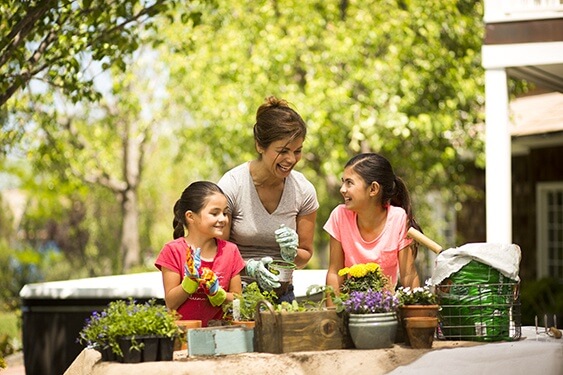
<point x="498" y="158"/>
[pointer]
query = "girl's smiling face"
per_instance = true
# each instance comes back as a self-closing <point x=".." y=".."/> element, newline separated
<point x="354" y="190"/>
<point x="282" y="156"/>
<point x="212" y="218"/>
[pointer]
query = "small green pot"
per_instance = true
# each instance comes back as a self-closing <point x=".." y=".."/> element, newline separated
<point x="284" y="271"/>
<point x="373" y="331"/>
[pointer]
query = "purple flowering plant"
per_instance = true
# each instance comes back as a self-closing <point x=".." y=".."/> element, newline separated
<point x="370" y="301"/>
<point x="128" y="319"/>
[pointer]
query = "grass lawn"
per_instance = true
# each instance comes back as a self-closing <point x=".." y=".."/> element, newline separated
<point x="10" y="325"/>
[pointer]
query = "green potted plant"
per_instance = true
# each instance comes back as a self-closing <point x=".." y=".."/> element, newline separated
<point x="372" y="318"/>
<point x="300" y="326"/>
<point x="243" y="307"/>
<point x="370" y="304"/>
<point x="132" y="332"/>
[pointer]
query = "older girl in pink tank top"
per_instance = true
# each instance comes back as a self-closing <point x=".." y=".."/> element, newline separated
<point x="371" y="225"/>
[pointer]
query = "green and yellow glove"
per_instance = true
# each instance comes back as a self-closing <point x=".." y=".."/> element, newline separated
<point x="190" y="283"/>
<point x="215" y="293"/>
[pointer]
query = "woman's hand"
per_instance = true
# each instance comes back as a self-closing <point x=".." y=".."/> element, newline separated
<point x="288" y="241"/>
<point x="257" y="269"/>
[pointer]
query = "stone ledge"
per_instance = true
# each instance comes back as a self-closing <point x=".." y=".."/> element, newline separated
<point x="379" y="361"/>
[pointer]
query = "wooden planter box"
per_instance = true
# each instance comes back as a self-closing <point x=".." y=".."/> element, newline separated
<point x="284" y="332"/>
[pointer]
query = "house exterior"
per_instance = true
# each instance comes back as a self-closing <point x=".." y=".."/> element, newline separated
<point x="524" y="137"/>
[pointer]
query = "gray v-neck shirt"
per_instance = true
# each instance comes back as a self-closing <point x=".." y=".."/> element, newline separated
<point x="252" y="227"/>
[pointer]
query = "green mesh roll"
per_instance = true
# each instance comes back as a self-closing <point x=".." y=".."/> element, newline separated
<point x="476" y="304"/>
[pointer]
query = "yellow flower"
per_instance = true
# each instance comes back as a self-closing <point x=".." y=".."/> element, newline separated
<point x="358" y="270"/>
<point x="343" y="272"/>
<point x="362" y="277"/>
<point x="372" y="267"/>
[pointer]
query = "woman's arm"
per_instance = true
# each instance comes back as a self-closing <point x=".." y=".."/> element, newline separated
<point x="306" y="233"/>
<point x="407" y="268"/>
<point x="235" y="287"/>
<point x="336" y="263"/>
<point x="174" y="295"/>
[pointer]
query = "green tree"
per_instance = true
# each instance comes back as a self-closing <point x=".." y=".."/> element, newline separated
<point x="398" y="77"/>
<point x="55" y="51"/>
<point x="101" y="144"/>
<point x="55" y="44"/>
<point x="52" y="40"/>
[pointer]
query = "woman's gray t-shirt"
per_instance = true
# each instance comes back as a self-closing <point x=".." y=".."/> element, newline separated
<point x="252" y="227"/>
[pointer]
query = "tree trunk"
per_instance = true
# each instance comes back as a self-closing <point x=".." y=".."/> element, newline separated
<point x="130" y="244"/>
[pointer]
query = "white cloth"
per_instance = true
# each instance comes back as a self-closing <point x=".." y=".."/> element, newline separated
<point x="532" y="354"/>
<point x="504" y="258"/>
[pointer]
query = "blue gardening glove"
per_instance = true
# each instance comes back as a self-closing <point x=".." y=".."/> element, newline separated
<point x="257" y="269"/>
<point x="288" y="240"/>
<point x="190" y="283"/>
<point x="215" y="293"/>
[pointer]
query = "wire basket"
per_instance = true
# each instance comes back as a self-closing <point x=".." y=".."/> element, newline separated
<point x="479" y="311"/>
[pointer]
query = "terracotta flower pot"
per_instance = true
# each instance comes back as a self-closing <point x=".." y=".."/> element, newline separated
<point x="181" y="343"/>
<point x="244" y="323"/>
<point x="420" y="331"/>
<point x="410" y="311"/>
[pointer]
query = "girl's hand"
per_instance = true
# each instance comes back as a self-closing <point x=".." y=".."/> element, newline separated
<point x="211" y="287"/>
<point x="190" y="283"/>
<point x="209" y="281"/>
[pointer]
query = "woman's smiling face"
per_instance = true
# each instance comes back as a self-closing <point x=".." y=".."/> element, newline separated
<point x="282" y="156"/>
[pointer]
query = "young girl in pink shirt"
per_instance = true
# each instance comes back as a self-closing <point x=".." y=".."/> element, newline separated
<point x="371" y="225"/>
<point x="200" y="271"/>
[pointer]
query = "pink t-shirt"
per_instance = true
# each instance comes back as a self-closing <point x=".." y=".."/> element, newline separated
<point x="227" y="263"/>
<point x="384" y="250"/>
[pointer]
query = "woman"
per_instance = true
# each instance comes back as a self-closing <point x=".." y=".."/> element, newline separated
<point x="273" y="207"/>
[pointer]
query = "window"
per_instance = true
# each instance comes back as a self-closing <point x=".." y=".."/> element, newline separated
<point x="550" y="230"/>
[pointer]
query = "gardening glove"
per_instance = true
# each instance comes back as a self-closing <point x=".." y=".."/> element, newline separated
<point x="288" y="240"/>
<point x="257" y="269"/>
<point x="190" y="283"/>
<point x="210" y="283"/>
